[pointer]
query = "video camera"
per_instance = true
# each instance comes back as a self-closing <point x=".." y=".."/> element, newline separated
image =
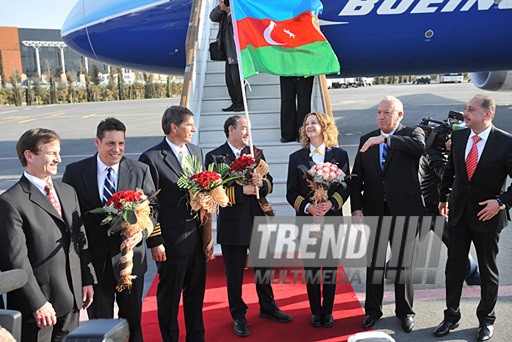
<point x="438" y="132"/>
<point x="226" y="3"/>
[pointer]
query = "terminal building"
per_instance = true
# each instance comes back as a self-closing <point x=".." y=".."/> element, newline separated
<point x="34" y="52"/>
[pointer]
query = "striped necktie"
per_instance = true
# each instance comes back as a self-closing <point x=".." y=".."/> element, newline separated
<point x="385" y="149"/>
<point x="472" y="158"/>
<point x="108" y="187"/>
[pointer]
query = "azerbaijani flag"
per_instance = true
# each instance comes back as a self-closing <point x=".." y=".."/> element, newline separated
<point x="280" y="37"/>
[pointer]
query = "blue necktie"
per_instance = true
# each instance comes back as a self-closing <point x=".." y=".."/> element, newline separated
<point x="108" y="187"/>
<point x="385" y="149"/>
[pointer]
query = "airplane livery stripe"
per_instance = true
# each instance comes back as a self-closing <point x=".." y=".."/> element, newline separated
<point x="290" y="33"/>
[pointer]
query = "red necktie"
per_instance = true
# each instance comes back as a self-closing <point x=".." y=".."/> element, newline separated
<point x="53" y="200"/>
<point x="472" y="158"/>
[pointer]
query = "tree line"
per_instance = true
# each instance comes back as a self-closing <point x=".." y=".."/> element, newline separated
<point x="56" y="91"/>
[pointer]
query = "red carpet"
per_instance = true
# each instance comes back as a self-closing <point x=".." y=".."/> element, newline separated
<point x="291" y="298"/>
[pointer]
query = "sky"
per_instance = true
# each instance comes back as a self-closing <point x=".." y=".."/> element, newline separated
<point x="49" y="14"/>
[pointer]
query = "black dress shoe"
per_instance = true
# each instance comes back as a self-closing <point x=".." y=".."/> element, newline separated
<point x="369" y="321"/>
<point x="276" y="315"/>
<point x="327" y="321"/>
<point x="407" y="323"/>
<point x="485" y="332"/>
<point x="444" y="328"/>
<point x="241" y="328"/>
<point x="239" y="108"/>
<point x="316" y="321"/>
<point x="228" y="109"/>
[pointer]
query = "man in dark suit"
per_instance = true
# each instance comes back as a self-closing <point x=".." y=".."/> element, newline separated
<point x="388" y="185"/>
<point x="42" y="234"/>
<point x="93" y="179"/>
<point x="226" y="45"/>
<point x="478" y="164"/>
<point x="181" y="261"/>
<point x="234" y="228"/>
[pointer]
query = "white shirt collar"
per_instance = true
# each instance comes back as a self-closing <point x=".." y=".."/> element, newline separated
<point x="235" y="150"/>
<point x="321" y="148"/>
<point x="38" y="182"/>
<point x="176" y="149"/>
<point x="484" y="135"/>
<point x="102" y="168"/>
<point x="391" y="133"/>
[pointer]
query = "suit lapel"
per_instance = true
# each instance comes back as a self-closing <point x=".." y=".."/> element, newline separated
<point x="305" y="159"/>
<point x="389" y="156"/>
<point x="38" y="198"/>
<point x="170" y="158"/>
<point x="66" y="203"/>
<point x="90" y="182"/>
<point x="194" y="151"/>
<point x="124" y="180"/>
<point x="228" y="152"/>
<point x="490" y="146"/>
<point x="460" y="151"/>
<point x="374" y="153"/>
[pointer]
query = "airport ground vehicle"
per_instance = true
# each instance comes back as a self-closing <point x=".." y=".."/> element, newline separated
<point x="451" y="78"/>
<point x="424" y="79"/>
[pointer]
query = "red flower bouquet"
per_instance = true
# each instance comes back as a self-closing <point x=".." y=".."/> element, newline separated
<point x="132" y="208"/>
<point x="243" y="168"/>
<point x="206" y="179"/>
<point x="206" y="193"/>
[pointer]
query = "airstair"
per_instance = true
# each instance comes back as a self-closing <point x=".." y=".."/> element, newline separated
<point x="208" y="94"/>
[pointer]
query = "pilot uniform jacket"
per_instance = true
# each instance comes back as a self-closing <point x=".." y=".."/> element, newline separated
<point x="487" y="182"/>
<point x="298" y="191"/>
<point x="398" y="184"/>
<point x="234" y="224"/>
<point x="184" y="271"/>
<point x="82" y="175"/>
<point x="179" y="225"/>
<point x="50" y="249"/>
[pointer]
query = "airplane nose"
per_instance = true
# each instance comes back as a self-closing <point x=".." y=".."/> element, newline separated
<point x="74" y="31"/>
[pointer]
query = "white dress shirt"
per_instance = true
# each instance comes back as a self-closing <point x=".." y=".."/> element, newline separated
<point x="484" y="135"/>
<point x="101" y="174"/>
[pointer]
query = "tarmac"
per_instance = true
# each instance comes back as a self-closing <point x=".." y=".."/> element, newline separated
<point x="354" y="110"/>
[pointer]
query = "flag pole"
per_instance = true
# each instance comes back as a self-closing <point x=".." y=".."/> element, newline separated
<point x="242" y="82"/>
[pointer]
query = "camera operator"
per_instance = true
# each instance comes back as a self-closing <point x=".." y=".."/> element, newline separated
<point x="227" y="52"/>
<point x="431" y="168"/>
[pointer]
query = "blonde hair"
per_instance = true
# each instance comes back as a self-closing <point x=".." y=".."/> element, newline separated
<point x="329" y="130"/>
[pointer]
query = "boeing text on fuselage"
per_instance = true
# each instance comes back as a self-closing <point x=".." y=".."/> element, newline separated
<point x="389" y="7"/>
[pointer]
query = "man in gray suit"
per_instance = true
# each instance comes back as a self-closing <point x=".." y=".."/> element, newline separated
<point x="91" y="179"/>
<point x="42" y="234"/>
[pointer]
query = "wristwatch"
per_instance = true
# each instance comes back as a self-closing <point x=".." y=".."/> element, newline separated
<point x="386" y="138"/>
<point x="502" y="206"/>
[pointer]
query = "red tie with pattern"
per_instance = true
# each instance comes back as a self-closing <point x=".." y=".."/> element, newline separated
<point x="53" y="200"/>
<point x="472" y="158"/>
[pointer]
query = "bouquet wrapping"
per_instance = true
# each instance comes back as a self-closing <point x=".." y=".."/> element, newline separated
<point x="243" y="168"/>
<point x="132" y="209"/>
<point x="321" y="177"/>
<point x="206" y="193"/>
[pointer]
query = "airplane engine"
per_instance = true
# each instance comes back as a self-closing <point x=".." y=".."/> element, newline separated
<point x="492" y="80"/>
